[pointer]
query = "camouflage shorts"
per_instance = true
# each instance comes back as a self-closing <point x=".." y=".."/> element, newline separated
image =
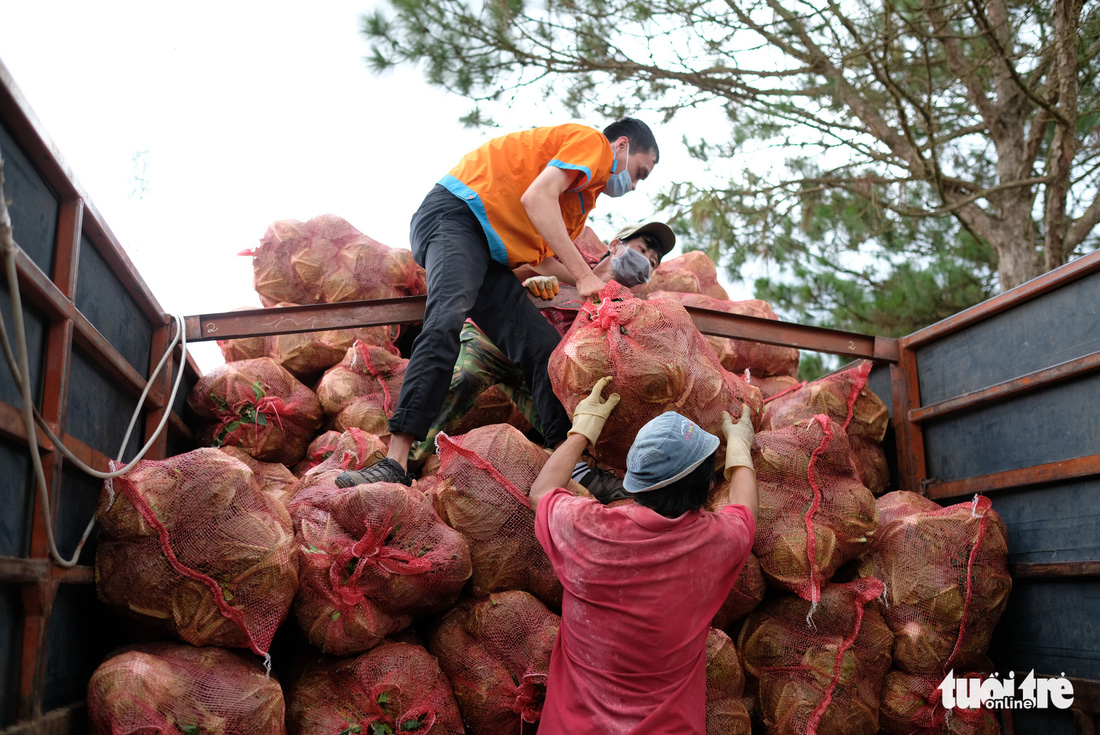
<point x="480" y="365"/>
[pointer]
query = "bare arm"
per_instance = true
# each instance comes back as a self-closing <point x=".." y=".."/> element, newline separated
<point x="742" y="490"/>
<point x="558" y="469"/>
<point x="541" y="204"/>
<point x="548" y="267"/>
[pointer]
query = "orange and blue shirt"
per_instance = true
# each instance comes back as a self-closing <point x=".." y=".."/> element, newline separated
<point x="492" y="178"/>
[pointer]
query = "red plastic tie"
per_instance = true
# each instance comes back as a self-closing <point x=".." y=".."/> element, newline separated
<point x="815" y="504"/>
<point x="870" y="592"/>
<point x="983" y="523"/>
<point x="858" y="384"/>
<point x="371" y="550"/>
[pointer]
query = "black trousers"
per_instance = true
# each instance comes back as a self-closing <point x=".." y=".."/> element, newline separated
<point x="464" y="281"/>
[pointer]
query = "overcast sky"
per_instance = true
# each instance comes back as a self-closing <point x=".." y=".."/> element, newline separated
<point x="194" y="126"/>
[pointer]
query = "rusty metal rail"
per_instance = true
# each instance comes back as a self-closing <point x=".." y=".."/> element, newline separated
<point x="319" y="317"/>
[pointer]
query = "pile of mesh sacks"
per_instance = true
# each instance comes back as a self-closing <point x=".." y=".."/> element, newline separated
<point x="265" y="599"/>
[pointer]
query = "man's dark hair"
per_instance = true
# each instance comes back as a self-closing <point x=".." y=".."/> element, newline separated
<point x="637" y="132"/>
<point x="688" y="493"/>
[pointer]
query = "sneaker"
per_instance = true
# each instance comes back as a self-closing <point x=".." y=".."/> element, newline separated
<point x="384" y="470"/>
<point x="604" y="485"/>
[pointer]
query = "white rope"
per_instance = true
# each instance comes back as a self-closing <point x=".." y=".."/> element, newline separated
<point x="20" y="370"/>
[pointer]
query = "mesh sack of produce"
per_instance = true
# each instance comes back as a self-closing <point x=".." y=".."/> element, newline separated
<point x="496" y="653"/>
<point x="362" y="390"/>
<point x="258" y="406"/>
<point x="642" y="345"/>
<point x="353" y="449"/>
<point x="177" y="688"/>
<point x="845" y="398"/>
<point x="590" y="244"/>
<point x="815" y="514"/>
<point x="373" y="557"/>
<point x="726" y="712"/>
<point x="493" y="406"/>
<point x="245" y="348"/>
<point x="947" y="580"/>
<point x="394" y="688"/>
<point x="273" y="478"/>
<point x="305" y="354"/>
<point x="326" y="260"/>
<point x="746" y="595"/>
<point x="692" y="272"/>
<point x="912" y="705"/>
<point x="489" y="472"/>
<point x="739" y="355"/>
<point x="869" y="459"/>
<point x="308" y="354"/>
<point x="318" y="451"/>
<point x="193" y="547"/>
<point x="774" y="385"/>
<point x="818" y="670"/>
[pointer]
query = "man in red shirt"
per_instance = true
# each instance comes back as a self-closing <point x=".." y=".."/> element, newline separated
<point x="643" y="579"/>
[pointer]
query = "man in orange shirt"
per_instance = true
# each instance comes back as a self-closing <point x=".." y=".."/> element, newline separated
<point x="514" y="201"/>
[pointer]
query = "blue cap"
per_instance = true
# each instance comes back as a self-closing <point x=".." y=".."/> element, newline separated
<point x="666" y="450"/>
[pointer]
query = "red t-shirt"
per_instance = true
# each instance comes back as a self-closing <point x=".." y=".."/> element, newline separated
<point x="640" y="593"/>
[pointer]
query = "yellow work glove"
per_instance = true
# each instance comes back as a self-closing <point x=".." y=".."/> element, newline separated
<point x="739" y="438"/>
<point x="591" y="413"/>
<point x="545" y="287"/>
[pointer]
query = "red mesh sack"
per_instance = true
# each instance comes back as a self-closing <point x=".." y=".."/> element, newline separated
<point x="327" y="260"/>
<point x="488" y="474"/>
<point x="819" y="673"/>
<point x="308" y="354"/>
<point x="362" y="390"/>
<point x="739" y="355"/>
<point x="869" y="459"/>
<point x="492" y="406"/>
<point x="947" y="580"/>
<point x="393" y="688"/>
<point x="726" y="712"/>
<point x="373" y="557"/>
<point x="747" y="593"/>
<point x="245" y="348"/>
<point x="773" y="385"/>
<point x="193" y="547"/>
<point x="318" y="451"/>
<point x="273" y="478"/>
<point x="842" y="396"/>
<point x="496" y="652"/>
<point x="352" y="450"/>
<point x="177" y="688"/>
<point x="258" y="406"/>
<point x="590" y="245"/>
<point x="305" y="355"/>
<point x="845" y="398"/>
<point x="814" y="513"/>
<point x="912" y="705"/>
<point x="643" y="345"/>
<point x="692" y="272"/>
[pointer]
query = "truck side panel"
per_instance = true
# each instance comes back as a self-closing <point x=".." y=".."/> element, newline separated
<point x="94" y="333"/>
<point x="1058" y="326"/>
<point x="1016" y="445"/>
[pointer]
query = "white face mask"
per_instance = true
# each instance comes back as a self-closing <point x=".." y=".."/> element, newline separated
<point x="619" y="183"/>
<point x="630" y="268"/>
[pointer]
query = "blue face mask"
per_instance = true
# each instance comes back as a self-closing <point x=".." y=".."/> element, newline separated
<point x="620" y="183"/>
